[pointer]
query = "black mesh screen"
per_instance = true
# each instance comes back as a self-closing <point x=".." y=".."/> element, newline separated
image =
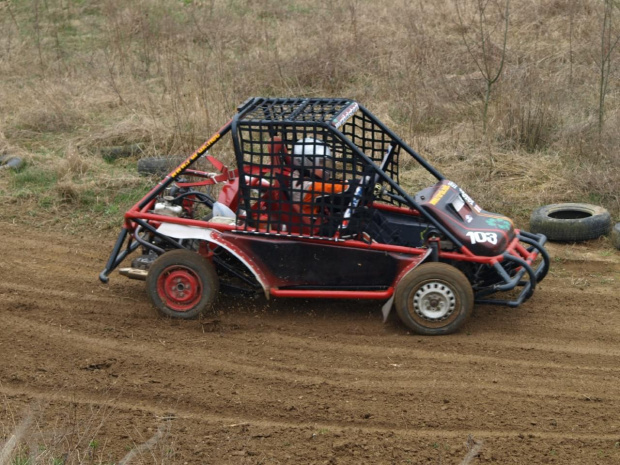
<point x="300" y="176"/>
<point x="366" y="134"/>
<point x="295" y="110"/>
<point x="299" y="179"/>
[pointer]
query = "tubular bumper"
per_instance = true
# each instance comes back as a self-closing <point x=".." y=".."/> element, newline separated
<point x="117" y="256"/>
<point x="523" y="258"/>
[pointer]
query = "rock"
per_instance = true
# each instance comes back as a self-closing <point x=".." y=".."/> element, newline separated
<point x="9" y="162"/>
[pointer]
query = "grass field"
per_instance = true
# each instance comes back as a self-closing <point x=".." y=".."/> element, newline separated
<point x="82" y="75"/>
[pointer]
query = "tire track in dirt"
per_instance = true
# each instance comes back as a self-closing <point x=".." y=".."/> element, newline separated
<point x="526" y="381"/>
<point x="368" y="371"/>
<point x="383" y="387"/>
<point x="136" y="404"/>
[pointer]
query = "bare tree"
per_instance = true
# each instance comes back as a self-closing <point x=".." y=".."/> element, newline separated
<point x="481" y="48"/>
<point x="571" y="32"/>
<point x="609" y="41"/>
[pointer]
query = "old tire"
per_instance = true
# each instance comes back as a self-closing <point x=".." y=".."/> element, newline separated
<point x="182" y="284"/>
<point x="159" y="166"/>
<point x="10" y="162"/>
<point x="571" y="221"/>
<point x="615" y="236"/>
<point x="115" y="152"/>
<point x="434" y="299"/>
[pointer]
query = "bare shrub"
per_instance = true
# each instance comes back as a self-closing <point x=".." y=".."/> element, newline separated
<point x="69" y="191"/>
<point x="74" y="432"/>
<point x="525" y="120"/>
<point x="488" y="54"/>
<point x="597" y="170"/>
<point x="73" y="165"/>
<point x="155" y="136"/>
<point x="46" y="120"/>
<point x="167" y="74"/>
<point x="600" y="182"/>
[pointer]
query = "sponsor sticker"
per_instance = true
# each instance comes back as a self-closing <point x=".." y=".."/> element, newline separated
<point x="439" y="194"/>
<point x="345" y="115"/>
<point x="499" y="223"/>
<point x="195" y="155"/>
<point x="465" y="197"/>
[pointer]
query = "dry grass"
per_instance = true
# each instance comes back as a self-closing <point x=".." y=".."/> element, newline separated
<point x="42" y="432"/>
<point x="81" y="75"/>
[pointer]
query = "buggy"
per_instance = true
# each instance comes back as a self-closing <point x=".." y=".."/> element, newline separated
<point x="254" y="228"/>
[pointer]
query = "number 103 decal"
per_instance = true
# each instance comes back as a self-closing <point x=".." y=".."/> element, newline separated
<point x="479" y="236"/>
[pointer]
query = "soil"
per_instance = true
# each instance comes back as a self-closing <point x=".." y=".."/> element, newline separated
<point x="95" y="375"/>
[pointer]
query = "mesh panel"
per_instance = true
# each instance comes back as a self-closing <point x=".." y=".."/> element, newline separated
<point x="375" y="143"/>
<point x="300" y="176"/>
<point x="300" y="180"/>
<point x="295" y="110"/>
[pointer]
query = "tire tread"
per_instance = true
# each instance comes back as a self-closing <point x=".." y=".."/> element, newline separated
<point x="571" y="230"/>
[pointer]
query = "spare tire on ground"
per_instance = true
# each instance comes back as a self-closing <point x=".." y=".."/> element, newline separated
<point x="571" y="221"/>
<point x="615" y="236"/>
<point x="159" y="166"/>
<point x="120" y="151"/>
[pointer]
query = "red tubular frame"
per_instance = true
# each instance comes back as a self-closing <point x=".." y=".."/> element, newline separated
<point x="464" y="254"/>
<point x="368" y="295"/>
<point x="413" y="255"/>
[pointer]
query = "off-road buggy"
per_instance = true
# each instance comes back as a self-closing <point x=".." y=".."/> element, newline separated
<point x="432" y="254"/>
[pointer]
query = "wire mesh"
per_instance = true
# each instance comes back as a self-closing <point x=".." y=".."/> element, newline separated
<point x="303" y="169"/>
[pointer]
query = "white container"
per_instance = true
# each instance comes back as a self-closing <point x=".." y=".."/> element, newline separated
<point x="166" y="209"/>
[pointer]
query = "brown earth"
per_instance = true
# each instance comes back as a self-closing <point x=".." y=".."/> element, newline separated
<point x="98" y="373"/>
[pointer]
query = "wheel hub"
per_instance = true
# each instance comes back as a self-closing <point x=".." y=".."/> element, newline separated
<point x="434" y="301"/>
<point x="180" y="288"/>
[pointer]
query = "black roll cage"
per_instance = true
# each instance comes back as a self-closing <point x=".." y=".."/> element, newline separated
<point x="252" y="104"/>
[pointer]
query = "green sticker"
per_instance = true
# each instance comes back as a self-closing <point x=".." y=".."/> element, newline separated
<point x="499" y="223"/>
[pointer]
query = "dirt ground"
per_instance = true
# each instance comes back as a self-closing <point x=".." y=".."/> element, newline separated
<point x="91" y="374"/>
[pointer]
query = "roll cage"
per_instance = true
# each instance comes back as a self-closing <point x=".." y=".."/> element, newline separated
<point x="365" y="150"/>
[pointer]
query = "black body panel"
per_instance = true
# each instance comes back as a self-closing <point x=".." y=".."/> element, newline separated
<point x="483" y="233"/>
<point x="295" y="264"/>
<point x="399" y="229"/>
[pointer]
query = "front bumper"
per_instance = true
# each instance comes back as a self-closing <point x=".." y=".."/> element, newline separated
<point x="516" y="270"/>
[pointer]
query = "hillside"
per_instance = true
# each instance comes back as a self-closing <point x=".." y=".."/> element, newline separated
<point x="80" y="76"/>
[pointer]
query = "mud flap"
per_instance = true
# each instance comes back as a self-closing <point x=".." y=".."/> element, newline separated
<point x="387" y="307"/>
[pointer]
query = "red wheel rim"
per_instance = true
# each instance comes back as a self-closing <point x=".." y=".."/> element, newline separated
<point x="179" y="287"/>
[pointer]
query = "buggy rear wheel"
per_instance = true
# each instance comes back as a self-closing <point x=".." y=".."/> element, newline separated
<point x="434" y="298"/>
<point x="182" y="284"/>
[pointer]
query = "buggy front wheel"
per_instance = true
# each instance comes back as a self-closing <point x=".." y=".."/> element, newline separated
<point x="182" y="284"/>
<point x="434" y="298"/>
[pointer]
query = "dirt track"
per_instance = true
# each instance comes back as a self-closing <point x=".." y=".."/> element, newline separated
<point x="99" y="372"/>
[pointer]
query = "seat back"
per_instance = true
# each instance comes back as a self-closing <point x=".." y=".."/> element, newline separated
<point x="279" y="153"/>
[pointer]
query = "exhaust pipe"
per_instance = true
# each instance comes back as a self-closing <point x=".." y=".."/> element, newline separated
<point x="134" y="273"/>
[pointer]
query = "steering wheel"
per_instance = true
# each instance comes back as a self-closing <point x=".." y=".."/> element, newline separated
<point x="366" y="186"/>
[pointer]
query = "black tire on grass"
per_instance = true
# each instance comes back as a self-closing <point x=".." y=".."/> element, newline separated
<point x="615" y="236"/>
<point x="159" y="166"/>
<point x="571" y="222"/>
<point x="115" y="152"/>
<point x="9" y="162"/>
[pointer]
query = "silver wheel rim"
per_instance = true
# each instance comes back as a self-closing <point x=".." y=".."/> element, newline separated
<point x="434" y="301"/>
